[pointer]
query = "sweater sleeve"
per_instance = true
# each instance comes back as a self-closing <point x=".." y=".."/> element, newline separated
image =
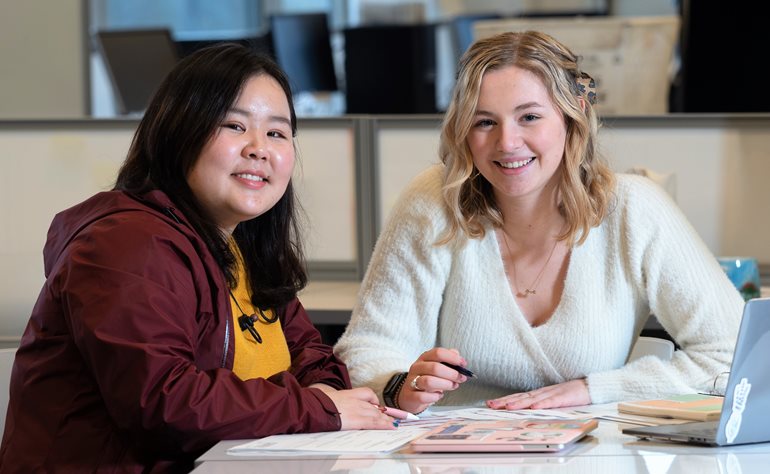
<point x="685" y="288"/>
<point x="396" y="316"/>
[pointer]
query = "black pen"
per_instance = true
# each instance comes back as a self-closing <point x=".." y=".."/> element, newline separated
<point x="462" y="370"/>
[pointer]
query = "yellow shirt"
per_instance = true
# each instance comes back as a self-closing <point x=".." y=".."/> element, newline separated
<point x="254" y="360"/>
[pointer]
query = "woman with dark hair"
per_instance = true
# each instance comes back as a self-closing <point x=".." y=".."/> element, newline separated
<point x="169" y="318"/>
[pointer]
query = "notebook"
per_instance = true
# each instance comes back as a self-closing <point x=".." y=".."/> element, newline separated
<point x="524" y="435"/>
<point x="694" y="406"/>
<point x="746" y="404"/>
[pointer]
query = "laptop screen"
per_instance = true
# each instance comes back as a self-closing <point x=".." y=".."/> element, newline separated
<point x="747" y="398"/>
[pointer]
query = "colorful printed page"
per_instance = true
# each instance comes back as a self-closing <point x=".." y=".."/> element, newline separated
<point x="524" y="435"/>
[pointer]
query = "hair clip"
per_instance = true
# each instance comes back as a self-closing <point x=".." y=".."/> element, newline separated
<point x="587" y="86"/>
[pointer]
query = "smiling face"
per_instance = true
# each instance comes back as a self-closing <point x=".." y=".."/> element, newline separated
<point x="247" y="164"/>
<point x="518" y="135"/>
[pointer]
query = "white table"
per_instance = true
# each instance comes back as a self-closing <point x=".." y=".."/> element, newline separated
<point x="606" y="451"/>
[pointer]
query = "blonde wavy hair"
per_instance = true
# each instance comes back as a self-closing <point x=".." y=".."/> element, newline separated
<point x="586" y="183"/>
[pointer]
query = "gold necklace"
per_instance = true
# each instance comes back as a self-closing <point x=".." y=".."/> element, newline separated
<point x="532" y="289"/>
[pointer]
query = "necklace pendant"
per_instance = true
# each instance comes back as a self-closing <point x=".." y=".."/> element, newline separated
<point x="534" y="284"/>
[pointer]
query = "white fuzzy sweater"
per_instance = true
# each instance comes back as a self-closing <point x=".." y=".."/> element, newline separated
<point x="644" y="258"/>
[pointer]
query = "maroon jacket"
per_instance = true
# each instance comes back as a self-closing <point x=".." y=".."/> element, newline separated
<point x="125" y="364"/>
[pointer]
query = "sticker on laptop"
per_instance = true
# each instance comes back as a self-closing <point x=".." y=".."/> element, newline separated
<point x="740" y="395"/>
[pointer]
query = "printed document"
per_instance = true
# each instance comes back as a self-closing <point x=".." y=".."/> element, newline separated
<point x="361" y="441"/>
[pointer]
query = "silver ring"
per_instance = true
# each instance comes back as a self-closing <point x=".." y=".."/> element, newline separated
<point x="413" y="384"/>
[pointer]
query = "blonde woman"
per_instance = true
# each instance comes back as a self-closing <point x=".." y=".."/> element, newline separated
<point x="524" y="258"/>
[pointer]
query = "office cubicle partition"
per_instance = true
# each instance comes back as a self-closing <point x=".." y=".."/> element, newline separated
<point x="350" y="172"/>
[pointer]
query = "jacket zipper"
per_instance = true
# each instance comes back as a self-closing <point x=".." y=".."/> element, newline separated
<point x="170" y="212"/>
<point x="223" y="363"/>
<point x="227" y="343"/>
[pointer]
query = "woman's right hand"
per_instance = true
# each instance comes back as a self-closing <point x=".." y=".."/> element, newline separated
<point x="359" y="410"/>
<point x="434" y="379"/>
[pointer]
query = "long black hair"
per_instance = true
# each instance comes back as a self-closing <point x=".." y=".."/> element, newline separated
<point x="181" y="118"/>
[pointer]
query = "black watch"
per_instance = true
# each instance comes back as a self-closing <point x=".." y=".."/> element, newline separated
<point x="392" y="389"/>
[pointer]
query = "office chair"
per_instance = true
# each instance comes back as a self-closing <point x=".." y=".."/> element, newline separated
<point x="137" y="62"/>
<point x="645" y="345"/>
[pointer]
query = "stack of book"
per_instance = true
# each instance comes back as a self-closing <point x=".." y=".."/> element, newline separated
<point x="697" y="407"/>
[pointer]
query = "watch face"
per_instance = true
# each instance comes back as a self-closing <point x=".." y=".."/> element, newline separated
<point x="393" y="383"/>
<point x="391" y="389"/>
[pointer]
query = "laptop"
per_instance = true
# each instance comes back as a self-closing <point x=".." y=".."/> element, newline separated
<point x="746" y="403"/>
<point x="504" y="436"/>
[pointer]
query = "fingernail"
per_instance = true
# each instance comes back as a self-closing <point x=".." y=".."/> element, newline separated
<point x="395" y="423"/>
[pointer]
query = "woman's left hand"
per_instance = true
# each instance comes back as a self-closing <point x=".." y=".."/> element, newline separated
<point x="566" y="394"/>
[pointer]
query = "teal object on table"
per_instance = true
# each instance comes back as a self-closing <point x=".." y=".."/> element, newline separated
<point x="744" y="273"/>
